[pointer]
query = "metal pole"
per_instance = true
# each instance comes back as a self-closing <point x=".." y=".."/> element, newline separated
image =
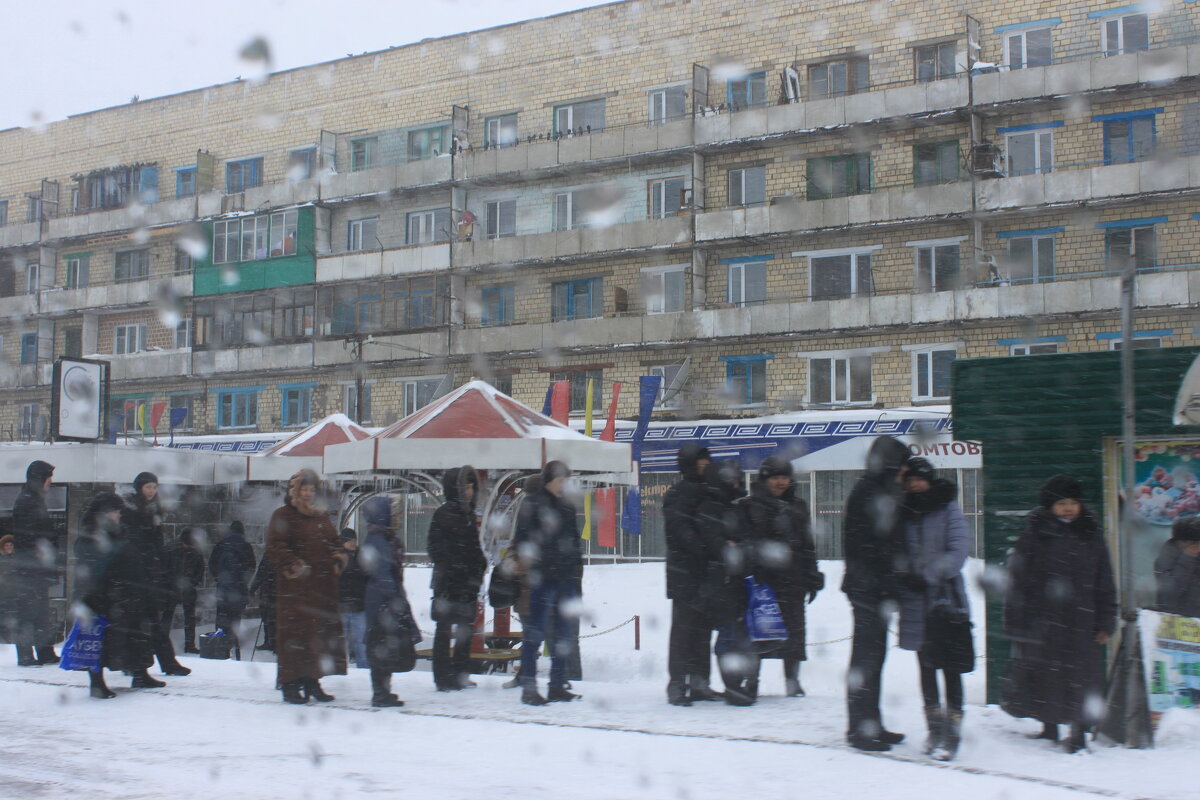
<point x="1128" y="431"/>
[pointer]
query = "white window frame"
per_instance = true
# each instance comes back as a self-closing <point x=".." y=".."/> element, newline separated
<point x="854" y="252"/>
<point x="657" y="111"/>
<point x="667" y="372"/>
<point x="77" y="272"/>
<point x="654" y="288"/>
<point x="408" y="389"/>
<point x="33" y="278"/>
<point x="1106" y="47"/>
<point x="425" y="232"/>
<point x="1033" y="348"/>
<point x="348" y="390"/>
<point x="933" y="244"/>
<point x="844" y="356"/>
<point x="1023" y="35"/>
<point x="1039" y="167"/>
<point x="494" y="131"/>
<point x="1150" y="342"/>
<point x="27" y="420"/>
<point x="356" y="230"/>
<point x="659" y="190"/>
<point x="565" y="221"/>
<point x="121" y="339"/>
<point x="740" y="172"/>
<point x="736" y="277"/>
<point x="183" y="333"/>
<point x="1034" y="275"/>
<point x="493" y="211"/>
<point x="925" y="352"/>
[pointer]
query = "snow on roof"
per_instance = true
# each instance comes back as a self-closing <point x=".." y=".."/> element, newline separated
<point x="312" y="441"/>
<point x="477" y="410"/>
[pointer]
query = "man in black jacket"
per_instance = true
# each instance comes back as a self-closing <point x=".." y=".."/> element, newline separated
<point x="187" y="575"/>
<point x="551" y="556"/>
<point x="230" y="563"/>
<point x="458" y="567"/>
<point x="872" y="542"/>
<point x="688" y="657"/>
<point x="36" y="568"/>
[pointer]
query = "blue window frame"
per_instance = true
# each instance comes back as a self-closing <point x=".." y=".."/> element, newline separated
<point x="237" y="408"/>
<point x="29" y="348"/>
<point x="185" y="181"/>
<point x="577" y="299"/>
<point x="746" y="379"/>
<point x="243" y="175"/>
<point x="295" y="404"/>
<point x="497" y="305"/>
<point x="1129" y="136"/>
<point x="748" y="91"/>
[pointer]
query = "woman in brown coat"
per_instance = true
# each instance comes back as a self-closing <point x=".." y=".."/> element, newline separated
<point x="304" y="548"/>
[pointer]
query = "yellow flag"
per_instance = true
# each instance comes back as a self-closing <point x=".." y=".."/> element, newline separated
<point x="587" y="431"/>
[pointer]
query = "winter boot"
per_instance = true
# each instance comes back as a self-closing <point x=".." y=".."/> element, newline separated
<point x="560" y="694"/>
<point x="530" y="696"/>
<point x="46" y="655"/>
<point x="700" y="690"/>
<point x="312" y="687"/>
<point x="142" y="680"/>
<point x="952" y="735"/>
<point x="25" y="656"/>
<point x="292" y="693"/>
<point x="99" y="689"/>
<point x="1049" y="732"/>
<point x="381" y="690"/>
<point x="1078" y="741"/>
<point x="791" y="678"/>
<point x="935" y="718"/>
<point x="677" y="694"/>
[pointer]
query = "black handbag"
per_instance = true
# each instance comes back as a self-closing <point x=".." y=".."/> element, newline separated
<point x="948" y="642"/>
<point x="504" y="587"/>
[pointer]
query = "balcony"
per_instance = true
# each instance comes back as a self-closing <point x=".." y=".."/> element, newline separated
<point x="113" y="295"/>
<point x="295" y="355"/>
<point x="376" y="264"/>
<point x="1091" y="183"/>
<point x="381" y="180"/>
<point x="21" y="375"/>
<point x="645" y="235"/>
<point x="149" y="364"/>
<point x="430" y="342"/>
<point x="15" y="235"/>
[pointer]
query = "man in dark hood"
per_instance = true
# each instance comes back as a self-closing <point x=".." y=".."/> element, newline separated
<point x="872" y="539"/>
<point x="36" y="568"/>
<point x="688" y="659"/>
<point x="231" y="563"/>
<point x="458" y="567"/>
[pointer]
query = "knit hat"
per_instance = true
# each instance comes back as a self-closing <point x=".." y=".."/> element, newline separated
<point x="554" y="469"/>
<point x="348" y="534"/>
<point x="38" y="471"/>
<point x="919" y="467"/>
<point x="1186" y="529"/>
<point x="142" y="479"/>
<point x="1060" y="487"/>
<point x="237" y="527"/>
<point x="377" y="512"/>
<point x="773" y="466"/>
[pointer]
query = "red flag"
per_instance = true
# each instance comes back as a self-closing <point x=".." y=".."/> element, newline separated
<point x="606" y="517"/>
<point x="156" y="412"/>
<point x="609" y="434"/>
<point x="560" y="402"/>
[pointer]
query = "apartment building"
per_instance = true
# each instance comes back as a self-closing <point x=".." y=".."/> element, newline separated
<point x="779" y="207"/>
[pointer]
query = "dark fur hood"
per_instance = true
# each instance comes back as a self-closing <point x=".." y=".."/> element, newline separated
<point x="941" y="493"/>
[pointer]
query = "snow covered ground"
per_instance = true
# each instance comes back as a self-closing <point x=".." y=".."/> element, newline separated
<point x="223" y="733"/>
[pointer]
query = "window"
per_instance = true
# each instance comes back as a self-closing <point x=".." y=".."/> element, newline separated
<point x="500" y="219"/>
<point x="1028" y="48"/>
<point x="746" y="282"/>
<point x="255" y="235"/>
<point x="183" y="334"/>
<point x="578" y="208"/>
<point x="284" y="229"/>
<point x="935" y="61"/>
<point x="668" y="373"/>
<point x="354" y="309"/>
<point x="503" y="383"/>
<point x="183" y="262"/>
<point x="295" y="405"/>
<point x="117" y="187"/>
<point x="747" y="186"/>
<point x="931" y="373"/>
<point x="132" y="265"/>
<point x="584" y="117"/>
<point x="938" y="268"/>
<point x="363" y="415"/>
<point x="1030" y="152"/>
<point x="3" y="213"/>
<point x="663" y="288"/>
<point x="33" y="278"/>
<point x="837" y="78"/>
<point x="129" y="339"/>
<point x="1139" y="343"/>
<point x="427" y="143"/>
<point x="185" y="181"/>
<point x="500" y="131"/>
<point x="747" y="92"/>
<point x="839" y="276"/>
<point x="1033" y="349"/>
<point x="936" y="162"/>
<point x="839" y="176"/>
<point x="1122" y="245"/>
<point x="665" y="197"/>
<point x="33" y="211"/>
<point x="1031" y="258"/>
<point x="301" y="163"/>
<point x="363" y="153"/>
<point x="29" y="421"/>
<point x="419" y="393"/>
<point x="187" y="402"/>
<point x="73" y="342"/>
<point x="840" y="380"/>
<point x="360" y="234"/>
<point x="29" y="348"/>
<point x="578" y="379"/>
<point x="428" y="226"/>
<point x="237" y="408"/>
<point x="746" y="380"/>
<point x="1129" y="139"/>
<point x="243" y="175"/>
<point x="419" y="302"/>
<point x="577" y="299"/>
<point x="497" y="305"/>
<point x="225" y="241"/>
<point x="1125" y="34"/>
<point x="667" y="104"/>
<point x="294" y="313"/>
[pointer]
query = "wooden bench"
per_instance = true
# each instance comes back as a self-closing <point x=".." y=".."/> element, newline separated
<point x="485" y="663"/>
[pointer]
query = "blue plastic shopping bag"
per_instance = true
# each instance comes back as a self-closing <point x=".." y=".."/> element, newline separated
<point x="764" y="620"/>
<point x="85" y="645"/>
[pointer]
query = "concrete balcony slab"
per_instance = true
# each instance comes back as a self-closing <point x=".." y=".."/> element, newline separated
<point x="1068" y="296"/>
<point x="515" y="159"/>
<point x="574" y="149"/>
<point x="863" y="107"/>
<point x="1164" y="174"/>
<point x="713" y="225"/>
<point x="1022" y="300"/>
<point x="891" y="309"/>
<point x="1063" y="186"/>
<point x="1114" y="71"/>
<point x="987" y="88"/>
<point x="730" y="322"/>
<point x="671" y="135"/>
<point x="949" y="93"/>
<point x="1163" y="65"/>
<point x="858" y="210"/>
<point x="1017" y="84"/>
<point x="903" y="100"/>
<point x="932" y="307"/>
<point x="712" y="128"/>
<point x="976" y="304"/>
<point x="1068" y="78"/>
<point x="1115" y="180"/>
<point x="785" y="118"/>
<point x="1106" y="293"/>
<point x="770" y="318"/>
<point x="809" y="316"/>
<point x="748" y="123"/>
<point x="835" y="213"/>
<point x="1018" y="192"/>
<point x="1193" y="294"/>
<point x="827" y="113"/>
<point x="539" y="155"/>
<point x="1162" y="289"/>
<point x="1193" y="59"/>
<point x="853" y="312"/>
<point x="209" y="204"/>
<point x="14" y="235"/>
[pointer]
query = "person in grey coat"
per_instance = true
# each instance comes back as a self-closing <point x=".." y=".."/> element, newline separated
<point x="1177" y="570"/>
<point x="936" y="543"/>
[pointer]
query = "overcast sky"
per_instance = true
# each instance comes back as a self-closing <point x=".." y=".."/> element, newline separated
<point x="71" y="56"/>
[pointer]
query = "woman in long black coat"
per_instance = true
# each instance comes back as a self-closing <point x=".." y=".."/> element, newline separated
<point x="392" y="632"/>
<point x="1060" y="610"/>
<point x="458" y="567"/>
<point x="36" y="569"/>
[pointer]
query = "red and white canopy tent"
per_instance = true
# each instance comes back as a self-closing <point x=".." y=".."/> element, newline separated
<point x="305" y="448"/>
